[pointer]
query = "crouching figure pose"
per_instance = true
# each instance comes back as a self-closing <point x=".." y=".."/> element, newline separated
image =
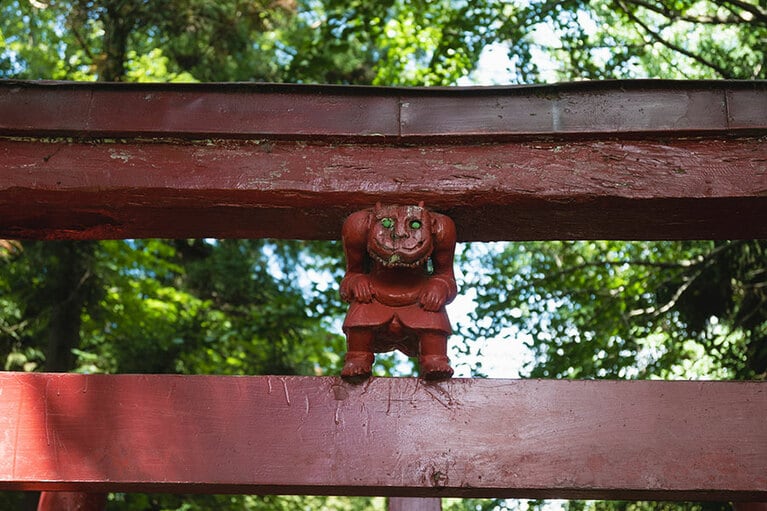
<point x="399" y="277"/>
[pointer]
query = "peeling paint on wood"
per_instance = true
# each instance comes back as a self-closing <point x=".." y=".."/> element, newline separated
<point x="620" y="160"/>
<point x="681" y="189"/>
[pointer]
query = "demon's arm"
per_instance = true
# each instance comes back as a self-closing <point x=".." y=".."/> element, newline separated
<point x="441" y="288"/>
<point x="355" y="286"/>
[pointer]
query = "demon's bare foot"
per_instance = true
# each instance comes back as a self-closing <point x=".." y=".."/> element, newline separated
<point x="435" y="367"/>
<point x="358" y="365"/>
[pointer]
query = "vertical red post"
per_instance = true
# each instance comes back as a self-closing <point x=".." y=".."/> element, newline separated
<point x="415" y="504"/>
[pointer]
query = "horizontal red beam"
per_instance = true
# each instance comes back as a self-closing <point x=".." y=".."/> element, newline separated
<point x="678" y="189"/>
<point x="620" y="160"/>
<point x="466" y="438"/>
<point x="590" y="109"/>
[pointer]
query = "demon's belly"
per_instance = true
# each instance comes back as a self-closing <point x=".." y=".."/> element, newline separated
<point x="396" y="315"/>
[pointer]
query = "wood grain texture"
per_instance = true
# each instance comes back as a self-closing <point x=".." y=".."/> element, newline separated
<point x="684" y="189"/>
<point x="618" y="160"/>
<point x="394" y="437"/>
<point x="232" y="110"/>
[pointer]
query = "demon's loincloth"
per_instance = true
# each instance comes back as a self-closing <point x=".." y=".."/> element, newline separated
<point x="396" y="327"/>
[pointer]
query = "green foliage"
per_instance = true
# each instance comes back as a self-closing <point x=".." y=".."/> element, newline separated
<point x="114" y="40"/>
<point x="157" y="306"/>
<point x="480" y="505"/>
<point x="141" y="502"/>
<point x="691" y="39"/>
<point x="432" y="43"/>
<point x="391" y="42"/>
<point x="629" y="310"/>
<point x="646" y="506"/>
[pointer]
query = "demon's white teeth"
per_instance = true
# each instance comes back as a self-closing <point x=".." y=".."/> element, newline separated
<point x="392" y="263"/>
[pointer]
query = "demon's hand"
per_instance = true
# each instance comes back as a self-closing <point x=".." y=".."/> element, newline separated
<point x="356" y="287"/>
<point x="434" y="295"/>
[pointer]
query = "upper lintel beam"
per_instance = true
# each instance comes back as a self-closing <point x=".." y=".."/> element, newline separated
<point x="616" y="160"/>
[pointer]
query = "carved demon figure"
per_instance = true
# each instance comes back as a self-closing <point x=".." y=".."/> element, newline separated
<point x="399" y="276"/>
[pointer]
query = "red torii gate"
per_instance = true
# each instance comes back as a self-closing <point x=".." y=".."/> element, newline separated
<point x="620" y="160"/>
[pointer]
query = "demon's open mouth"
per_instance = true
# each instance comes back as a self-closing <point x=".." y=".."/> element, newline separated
<point x="402" y="254"/>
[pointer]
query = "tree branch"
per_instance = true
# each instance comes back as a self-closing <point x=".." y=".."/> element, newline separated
<point x="674" y="14"/>
<point x="632" y="262"/>
<point x="704" y="262"/>
<point x="657" y="311"/>
<point x="82" y="44"/>
<point x="754" y="10"/>
<point x="12" y="330"/>
<point x="724" y="73"/>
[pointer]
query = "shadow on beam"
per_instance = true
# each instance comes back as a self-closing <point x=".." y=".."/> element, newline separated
<point x="638" y="440"/>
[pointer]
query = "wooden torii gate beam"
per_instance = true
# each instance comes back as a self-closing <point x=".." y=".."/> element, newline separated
<point x="658" y="440"/>
<point x="621" y="160"/>
<point x="618" y="160"/>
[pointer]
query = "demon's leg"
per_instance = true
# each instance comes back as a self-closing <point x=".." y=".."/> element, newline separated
<point x="359" y="355"/>
<point x="433" y="357"/>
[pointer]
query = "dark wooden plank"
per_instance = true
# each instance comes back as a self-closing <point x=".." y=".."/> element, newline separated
<point x="746" y="109"/>
<point x="676" y="189"/>
<point x="583" y="109"/>
<point x="78" y="109"/>
<point x="613" y="113"/>
<point x="394" y="437"/>
<point x="750" y="506"/>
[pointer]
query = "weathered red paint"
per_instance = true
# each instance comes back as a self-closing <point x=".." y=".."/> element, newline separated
<point x="583" y="109"/>
<point x="661" y="160"/>
<point x="679" y="189"/>
<point x="399" y="437"/>
<point x="68" y="501"/>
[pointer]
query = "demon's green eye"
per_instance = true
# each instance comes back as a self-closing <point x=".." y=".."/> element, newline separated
<point x="387" y="222"/>
<point x="415" y="224"/>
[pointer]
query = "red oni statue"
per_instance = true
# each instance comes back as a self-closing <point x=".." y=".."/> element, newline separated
<point x="399" y="276"/>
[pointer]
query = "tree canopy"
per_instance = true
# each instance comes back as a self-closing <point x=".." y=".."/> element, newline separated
<point x="596" y="309"/>
<point x="390" y="42"/>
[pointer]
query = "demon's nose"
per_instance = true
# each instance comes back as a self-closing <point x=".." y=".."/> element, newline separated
<point x="399" y="232"/>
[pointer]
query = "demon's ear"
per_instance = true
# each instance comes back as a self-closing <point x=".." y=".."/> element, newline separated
<point x="370" y="218"/>
<point x="378" y="207"/>
<point x="420" y="204"/>
<point x="437" y="224"/>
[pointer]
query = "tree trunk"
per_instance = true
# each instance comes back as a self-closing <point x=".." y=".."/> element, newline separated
<point x="117" y="28"/>
<point x="68" y="278"/>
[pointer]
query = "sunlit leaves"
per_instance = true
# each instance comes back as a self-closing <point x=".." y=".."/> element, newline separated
<point x="153" y="67"/>
<point x="616" y="309"/>
<point x="434" y="43"/>
<point x="142" y="502"/>
<point x="692" y="39"/>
